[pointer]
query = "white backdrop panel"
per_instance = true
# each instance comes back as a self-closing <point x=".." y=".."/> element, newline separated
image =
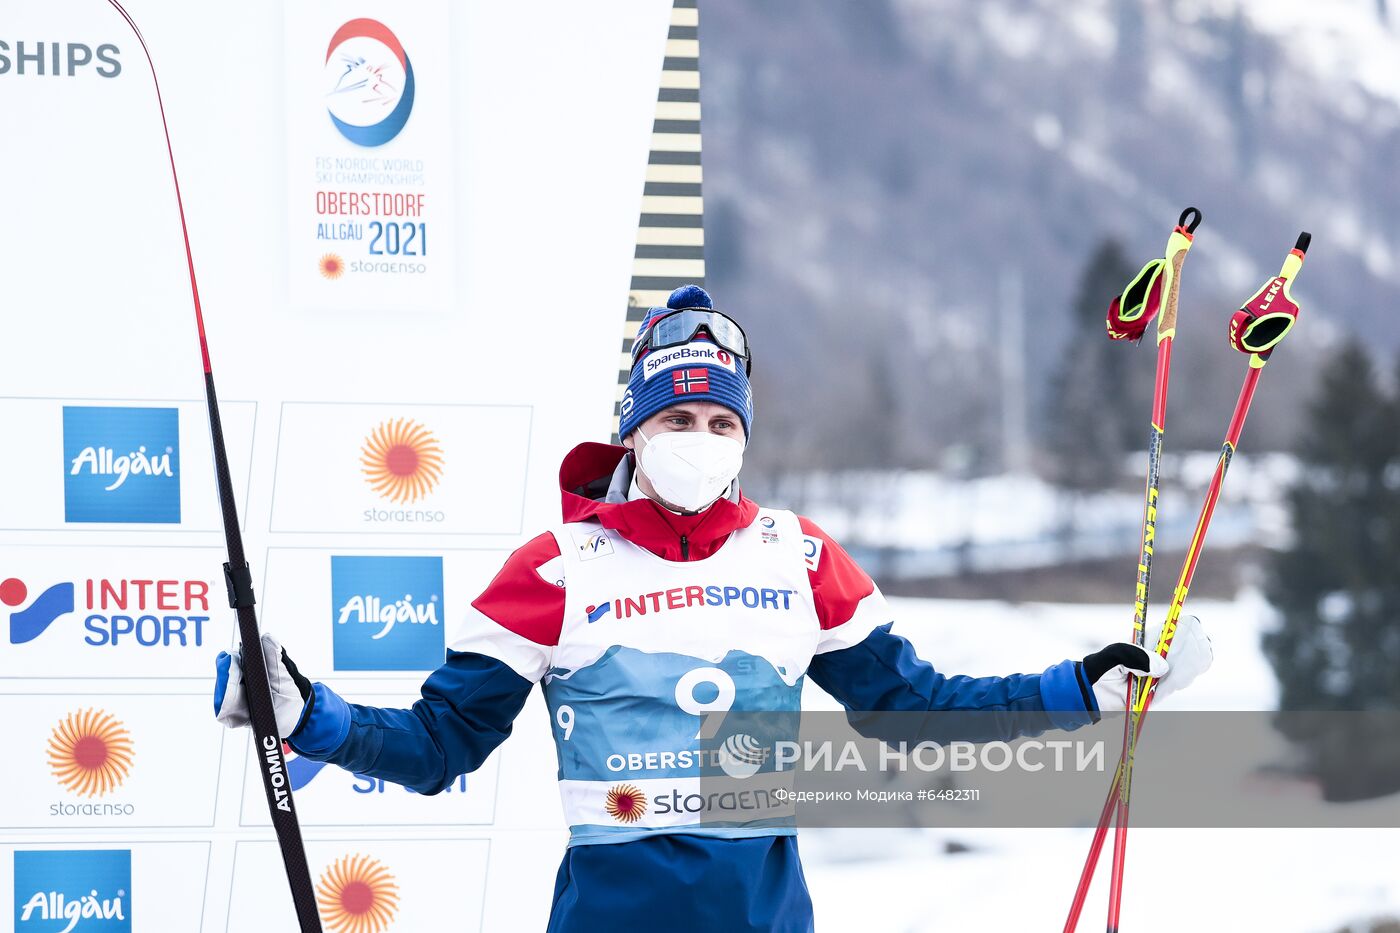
<point x="524" y="154"/>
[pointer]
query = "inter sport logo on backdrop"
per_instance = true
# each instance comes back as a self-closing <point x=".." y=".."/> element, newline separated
<point x="121" y="464"/>
<point x="73" y="891"/>
<point x="357" y="894"/>
<point x="386" y="613"/>
<point x="370" y="83"/>
<point x="149" y="613"/>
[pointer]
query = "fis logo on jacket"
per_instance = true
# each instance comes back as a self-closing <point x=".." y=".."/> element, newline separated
<point x="151" y="613"/>
<point x="686" y="597"/>
<point x="73" y="891"/>
<point x="386" y="613"/>
<point x="123" y="464"/>
<point x="593" y="545"/>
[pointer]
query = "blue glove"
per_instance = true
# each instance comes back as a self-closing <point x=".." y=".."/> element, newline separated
<point x="292" y="697"/>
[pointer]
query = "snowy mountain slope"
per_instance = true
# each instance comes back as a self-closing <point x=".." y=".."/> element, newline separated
<point x="892" y="162"/>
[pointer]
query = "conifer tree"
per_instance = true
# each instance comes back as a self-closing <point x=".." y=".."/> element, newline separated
<point x="1091" y="411"/>
<point x="1337" y="586"/>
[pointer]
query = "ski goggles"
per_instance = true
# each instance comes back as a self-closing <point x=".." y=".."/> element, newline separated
<point x="1133" y="310"/>
<point x="680" y="327"/>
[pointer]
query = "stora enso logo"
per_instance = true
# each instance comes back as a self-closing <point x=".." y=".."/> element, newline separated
<point x="73" y="891"/>
<point x="386" y="613"/>
<point x="121" y="464"/>
<point x="369" y="82"/>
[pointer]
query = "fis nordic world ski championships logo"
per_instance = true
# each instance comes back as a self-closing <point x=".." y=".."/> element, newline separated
<point x="90" y="752"/>
<point x="369" y="83"/>
<point x="357" y="894"/>
<point x="73" y="891"/>
<point x="387" y="613"/>
<point x="121" y="464"/>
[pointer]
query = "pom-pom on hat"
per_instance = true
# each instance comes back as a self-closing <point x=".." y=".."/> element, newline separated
<point x="698" y="371"/>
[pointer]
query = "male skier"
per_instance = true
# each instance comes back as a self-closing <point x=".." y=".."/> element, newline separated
<point x="665" y="594"/>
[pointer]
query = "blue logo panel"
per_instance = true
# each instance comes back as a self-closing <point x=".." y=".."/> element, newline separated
<point x="121" y="464"/>
<point x="624" y="705"/>
<point x="386" y="613"/>
<point x="83" y="891"/>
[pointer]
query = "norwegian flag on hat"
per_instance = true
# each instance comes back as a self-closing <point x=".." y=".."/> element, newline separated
<point x="690" y="381"/>
<point x="722" y="380"/>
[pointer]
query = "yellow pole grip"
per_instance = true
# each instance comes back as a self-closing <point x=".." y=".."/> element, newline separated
<point x="1177" y="247"/>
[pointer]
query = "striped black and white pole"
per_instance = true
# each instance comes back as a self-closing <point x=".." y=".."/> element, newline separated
<point x="671" y="231"/>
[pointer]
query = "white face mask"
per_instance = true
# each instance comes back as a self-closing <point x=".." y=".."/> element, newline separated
<point x="690" y="469"/>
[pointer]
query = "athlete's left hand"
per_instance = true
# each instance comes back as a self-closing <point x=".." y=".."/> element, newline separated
<point x="1190" y="655"/>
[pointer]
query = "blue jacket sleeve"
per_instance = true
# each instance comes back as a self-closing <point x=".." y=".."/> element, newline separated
<point x="467" y="708"/>
<point x="882" y="674"/>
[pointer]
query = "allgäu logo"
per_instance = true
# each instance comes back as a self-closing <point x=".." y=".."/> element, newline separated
<point x="73" y="891"/>
<point x="386" y="613"/>
<point x="121" y="464"/>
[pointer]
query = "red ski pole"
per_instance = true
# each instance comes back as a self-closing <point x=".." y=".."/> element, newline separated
<point x="239" y="578"/>
<point x="1157" y="285"/>
<point x="1255" y="329"/>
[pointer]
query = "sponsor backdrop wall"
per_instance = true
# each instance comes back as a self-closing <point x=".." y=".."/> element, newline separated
<point x="415" y="226"/>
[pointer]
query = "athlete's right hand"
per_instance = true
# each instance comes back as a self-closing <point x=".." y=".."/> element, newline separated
<point x="292" y="697"/>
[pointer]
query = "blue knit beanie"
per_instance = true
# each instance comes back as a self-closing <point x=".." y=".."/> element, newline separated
<point x="699" y="371"/>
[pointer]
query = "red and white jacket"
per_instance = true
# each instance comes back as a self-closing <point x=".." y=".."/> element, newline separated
<point x="527" y="596"/>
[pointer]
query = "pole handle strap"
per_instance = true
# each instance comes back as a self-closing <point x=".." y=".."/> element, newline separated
<point x="239" y="580"/>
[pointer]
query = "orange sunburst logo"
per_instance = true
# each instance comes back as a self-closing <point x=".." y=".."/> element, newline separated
<point x="625" y="803"/>
<point x="331" y="266"/>
<point x="402" y="460"/>
<point x="357" y="894"/>
<point x="90" y="752"/>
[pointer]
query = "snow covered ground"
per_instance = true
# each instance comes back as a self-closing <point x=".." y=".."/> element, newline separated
<point x="1309" y="881"/>
<point x="975" y="530"/>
